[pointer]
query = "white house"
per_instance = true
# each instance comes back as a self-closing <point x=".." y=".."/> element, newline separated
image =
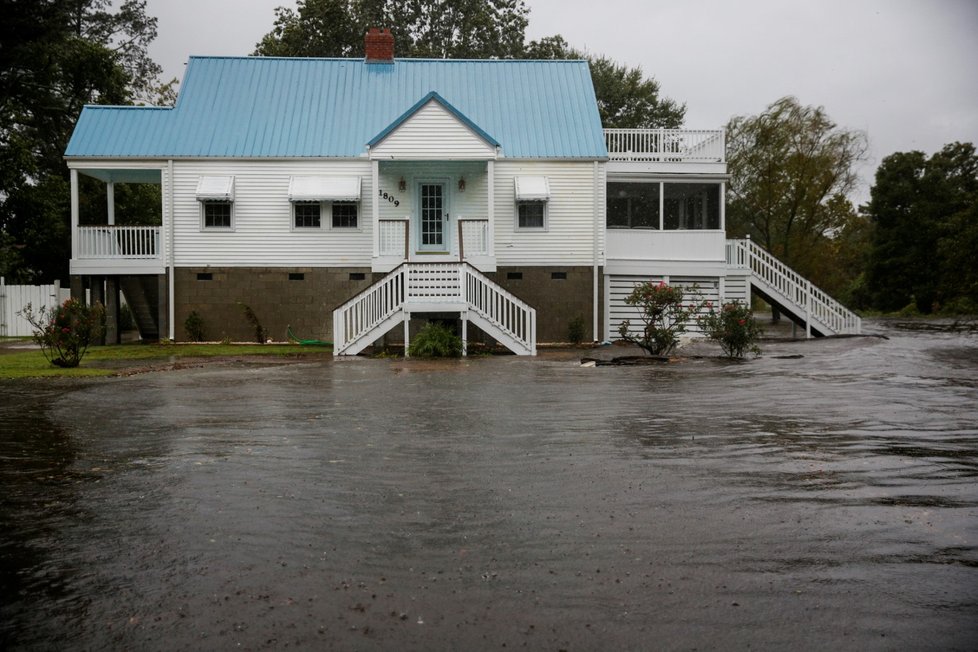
<point x="345" y="196"/>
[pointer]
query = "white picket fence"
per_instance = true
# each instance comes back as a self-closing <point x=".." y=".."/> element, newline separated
<point x="14" y="298"/>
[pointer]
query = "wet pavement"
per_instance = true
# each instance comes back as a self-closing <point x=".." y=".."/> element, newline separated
<point x="490" y="503"/>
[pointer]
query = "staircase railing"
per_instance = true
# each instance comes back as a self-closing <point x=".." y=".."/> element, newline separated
<point x="506" y="312"/>
<point x="364" y="312"/>
<point x="809" y="300"/>
<point x="427" y="286"/>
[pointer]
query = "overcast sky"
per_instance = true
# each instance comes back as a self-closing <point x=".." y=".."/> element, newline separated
<point x="903" y="71"/>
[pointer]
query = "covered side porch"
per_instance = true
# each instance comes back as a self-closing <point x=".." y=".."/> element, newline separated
<point x="119" y="241"/>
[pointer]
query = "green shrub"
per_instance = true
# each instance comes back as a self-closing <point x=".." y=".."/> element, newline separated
<point x="435" y="341"/>
<point x="65" y="332"/>
<point x="664" y="313"/>
<point x="194" y="325"/>
<point x="733" y="328"/>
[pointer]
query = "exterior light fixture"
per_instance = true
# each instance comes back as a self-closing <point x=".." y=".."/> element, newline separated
<point x="461" y="184"/>
<point x="402" y="185"/>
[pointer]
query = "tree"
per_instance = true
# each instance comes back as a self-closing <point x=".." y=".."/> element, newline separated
<point x="457" y="29"/>
<point x="55" y="57"/>
<point x="463" y="29"/>
<point x="925" y="212"/>
<point x="627" y="99"/>
<point x="791" y="168"/>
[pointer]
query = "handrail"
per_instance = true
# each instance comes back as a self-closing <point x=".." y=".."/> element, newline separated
<point x="366" y="310"/>
<point x="507" y="312"/>
<point x="793" y="287"/>
<point x="119" y="242"/>
<point x="702" y="145"/>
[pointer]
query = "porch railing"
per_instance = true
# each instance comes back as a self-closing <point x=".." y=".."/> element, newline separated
<point x="773" y="275"/>
<point x="125" y="242"/>
<point x="473" y="237"/>
<point x="704" y="146"/>
<point x="393" y="237"/>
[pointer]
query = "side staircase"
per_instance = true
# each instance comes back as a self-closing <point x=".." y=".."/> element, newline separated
<point x="434" y="288"/>
<point x="143" y="297"/>
<point x="794" y="295"/>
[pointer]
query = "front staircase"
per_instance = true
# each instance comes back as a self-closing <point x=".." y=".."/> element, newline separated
<point x="414" y="288"/>
<point x="794" y="295"/>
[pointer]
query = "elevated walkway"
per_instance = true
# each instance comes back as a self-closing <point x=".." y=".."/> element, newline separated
<point x="793" y="295"/>
<point x="414" y="288"/>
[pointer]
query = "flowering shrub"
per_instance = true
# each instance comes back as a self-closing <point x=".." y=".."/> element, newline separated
<point x="733" y="328"/>
<point x="664" y="313"/>
<point x="65" y="332"/>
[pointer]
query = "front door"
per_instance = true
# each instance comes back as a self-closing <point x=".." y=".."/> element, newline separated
<point x="433" y="218"/>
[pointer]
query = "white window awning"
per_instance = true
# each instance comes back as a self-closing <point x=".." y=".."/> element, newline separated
<point x="215" y="189"/>
<point x="532" y="189"/>
<point x="324" y="189"/>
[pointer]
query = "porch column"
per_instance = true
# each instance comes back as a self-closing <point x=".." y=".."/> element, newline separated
<point x="112" y="335"/>
<point x="491" y="207"/>
<point x="407" y="333"/>
<point x="74" y="214"/>
<point x="375" y="204"/>
<point x="98" y="296"/>
<point x="110" y="202"/>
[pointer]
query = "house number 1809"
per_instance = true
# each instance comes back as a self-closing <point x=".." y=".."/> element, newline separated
<point x="385" y="195"/>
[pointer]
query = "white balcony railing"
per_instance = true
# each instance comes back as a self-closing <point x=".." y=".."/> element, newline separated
<point x="119" y="242"/>
<point x="671" y="145"/>
<point x="393" y="237"/>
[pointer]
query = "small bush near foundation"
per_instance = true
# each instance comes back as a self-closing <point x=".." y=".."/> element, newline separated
<point x="65" y="332"/>
<point x="435" y="341"/>
<point x="664" y="311"/>
<point x="733" y="328"/>
<point x="194" y="325"/>
<point x="576" y="331"/>
<point x="260" y="333"/>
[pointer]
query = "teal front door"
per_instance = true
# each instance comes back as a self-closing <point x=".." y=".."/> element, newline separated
<point x="433" y="218"/>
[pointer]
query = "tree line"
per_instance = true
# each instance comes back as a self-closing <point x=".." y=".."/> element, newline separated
<point x="910" y="248"/>
<point x="792" y="168"/>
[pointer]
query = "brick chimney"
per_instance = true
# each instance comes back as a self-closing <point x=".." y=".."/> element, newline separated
<point x="379" y="45"/>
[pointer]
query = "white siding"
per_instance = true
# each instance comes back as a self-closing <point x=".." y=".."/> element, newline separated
<point x="698" y="288"/>
<point x="737" y="288"/>
<point x="433" y="133"/>
<point x="263" y="234"/>
<point x="569" y="238"/>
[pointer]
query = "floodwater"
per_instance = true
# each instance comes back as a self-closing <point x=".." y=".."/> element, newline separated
<point x="823" y="501"/>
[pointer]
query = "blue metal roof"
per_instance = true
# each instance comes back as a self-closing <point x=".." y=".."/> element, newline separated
<point x="278" y="107"/>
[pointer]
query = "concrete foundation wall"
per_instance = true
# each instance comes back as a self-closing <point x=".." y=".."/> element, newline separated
<point x="278" y="302"/>
<point x="307" y="304"/>
<point x="558" y="301"/>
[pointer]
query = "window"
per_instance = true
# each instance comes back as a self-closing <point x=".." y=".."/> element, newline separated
<point x="692" y="205"/>
<point x="216" y="197"/>
<point x="217" y="214"/>
<point x="532" y="215"/>
<point x="633" y="206"/>
<point x="307" y="215"/>
<point x="345" y="215"/>
<point x="532" y="198"/>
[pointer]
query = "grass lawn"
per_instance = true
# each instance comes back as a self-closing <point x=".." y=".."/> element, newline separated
<point x="109" y="360"/>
